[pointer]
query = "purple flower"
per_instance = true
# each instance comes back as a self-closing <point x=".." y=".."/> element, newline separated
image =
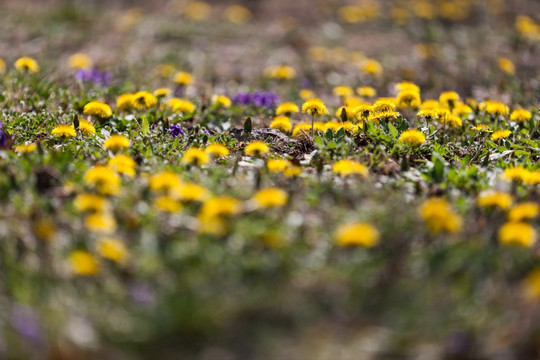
<point x="3" y="136"/>
<point x="257" y="98"/>
<point x="142" y="293"/>
<point x="94" y="76"/>
<point x="26" y="323"/>
<point x="176" y="130"/>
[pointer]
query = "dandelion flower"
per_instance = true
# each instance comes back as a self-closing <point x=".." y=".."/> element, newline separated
<point x="517" y="233"/>
<point x="198" y="10"/>
<point x="181" y="106"/>
<point x="27" y="64"/>
<point x="64" y="130"/>
<point x="98" y="109"/>
<point x="366" y="91"/>
<point x="300" y="128"/>
<point x="100" y="223"/>
<point x="116" y="143"/>
<point x="371" y="67"/>
<point x="220" y="206"/>
<point x="217" y="150"/>
<point x="167" y="203"/>
<point x="383" y="105"/>
<point x="183" y="78"/>
<point x="408" y="98"/>
<point x="439" y="216"/>
<point x="122" y="164"/>
<point x="506" y="65"/>
<point x="520" y="115"/>
<point x="287" y="108"/>
<point x="271" y="197"/>
<point x="125" y="102"/>
<point x="105" y="180"/>
<point x="314" y="107"/>
<point x="516" y="173"/>
<point x="306" y="94"/>
<point x="195" y="156"/>
<point x="191" y="192"/>
<point x="164" y="181"/>
<point x="482" y="128"/>
<point x="532" y="285"/>
<point x="80" y="61"/>
<point x="429" y="104"/>
<point x="343" y="91"/>
<point x="412" y="137"/>
<point x="448" y="99"/>
<point x="357" y="234"/>
<point x="452" y="121"/>
<point x="500" y="134"/>
<point x="496" y="108"/>
<point x="277" y="165"/>
<point x="349" y="167"/>
<point x="2" y="66"/>
<point x="362" y="111"/>
<point x="523" y="211"/>
<point x="161" y="92"/>
<point x="491" y="198"/>
<point x="461" y="109"/>
<point x="83" y="263"/>
<point x="256" y="148"/>
<point x="292" y="171"/>
<point x="86" y="127"/>
<point x="26" y="148"/>
<point x="112" y="249"/>
<point x="144" y="100"/>
<point x="221" y="101"/>
<point x="281" y="123"/>
<point x="237" y="14"/>
<point x="91" y="202"/>
<point x="283" y="72"/>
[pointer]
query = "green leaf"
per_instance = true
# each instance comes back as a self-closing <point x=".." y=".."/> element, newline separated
<point x="437" y="173"/>
<point x="144" y="126"/>
<point x="393" y="131"/>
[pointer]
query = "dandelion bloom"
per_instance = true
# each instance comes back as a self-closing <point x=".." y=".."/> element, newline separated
<point x="125" y="102"/>
<point x="167" y="203"/>
<point x="452" y="121"/>
<point x="281" y="123"/>
<point x="280" y="72"/>
<point x="292" y="171"/>
<point x="362" y="111"/>
<point x="492" y="198"/>
<point x="105" y="180"/>
<point x="221" y="101"/>
<point x="277" y="165"/>
<point x="83" y="263"/>
<point x="220" y="206"/>
<point x="237" y="14"/>
<point x="122" y="164"/>
<point x="165" y="180"/>
<point x="91" y="202"/>
<point x="300" y="128"/>
<point x="371" y="67"/>
<point x="496" y="108"/>
<point x="532" y="285"/>
<point x="506" y="65"/>
<point x="271" y="197"/>
<point x="515" y="173"/>
<point x="349" y="167"/>
<point x="143" y="100"/>
<point x="181" y="105"/>
<point x="27" y="64"/>
<point x="439" y="216"/>
<point x="306" y="94"/>
<point x="517" y="233"/>
<point x="461" y="109"/>
<point x="112" y="249"/>
<point x="500" y="134"/>
<point x="116" y="143"/>
<point x="161" y="92"/>
<point x="98" y="109"/>
<point x="256" y="148"/>
<point x="412" y="137"/>
<point x="448" y="99"/>
<point x="343" y="91"/>
<point x="366" y="91"/>
<point x="482" y="128"/>
<point x="429" y="104"/>
<point x="520" y="115"/>
<point x="217" y="150"/>
<point x="384" y="105"/>
<point x="523" y="211"/>
<point x="26" y="148"/>
<point x="64" y="130"/>
<point x="86" y="127"/>
<point x="2" y="66"/>
<point x="195" y="156"/>
<point x="198" y="10"/>
<point x="100" y="223"/>
<point x="191" y="192"/>
<point x="287" y="108"/>
<point x="183" y="78"/>
<point x="80" y="61"/>
<point x="408" y="98"/>
<point x="314" y="107"/>
<point x="358" y="234"/>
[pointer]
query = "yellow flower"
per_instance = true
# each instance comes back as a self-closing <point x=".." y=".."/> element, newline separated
<point x="429" y="104"/>
<point x="500" y="134"/>
<point x="482" y="128"/>
<point x="300" y="128"/>
<point x="532" y="285"/>
<point x="517" y="233"/>
<point x="217" y="150"/>
<point x="363" y="111"/>
<point x="533" y="178"/>
<point x="408" y="98"/>
<point x="358" y="234"/>
<point x="439" y="216"/>
<point x="448" y="99"/>
<point x="492" y="198"/>
<point x="27" y="64"/>
<point x="194" y="156"/>
<point x="221" y="101"/>
<point x="220" y="206"/>
<point x="116" y="143"/>
<point x="161" y="92"/>
<point x="523" y="211"/>
<point x="407" y="86"/>
<point x="80" y="61"/>
<point x="366" y="91"/>
<point x="86" y="127"/>
<point x="343" y="91"/>
<point x="506" y="65"/>
<point x="271" y="197"/>
<point x="113" y="249"/>
<point x="122" y="164"/>
<point x="101" y="223"/>
<point x="496" y="108"/>
<point x="26" y="148"/>
<point x="125" y="102"/>
<point x="143" y="100"/>
<point x="98" y="109"/>
<point x="520" y="115"/>
<point x="44" y="229"/>
<point x="191" y="192"/>
<point x="198" y="10"/>
<point x="350" y="167"/>
<point x="292" y="171"/>
<point x="287" y="108"/>
<point x="281" y="123"/>
<point x="167" y="203"/>
<point x="306" y="94"/>
<point x="83" y="263"/>
<point x="183" y="78"/>
<point x="91" y="202"/>
<point x="412" y="137"/>
<point x="181" y="105"/>
<point x="314" y="107"/>
<point x="349" y="112"/>
<point x="256" y="148"/>
<point x="64" y="130"/>
<point x="461" y="109"/>
<point x="2" y="66"/>
<point x="452" y="121"/>
<point x="165" y="180"/>
<point x="280" y="72"/>
<point x="383" y="105"/>
<point x="103" y="179"/>
<point x="277" y="165"/>
<point x="371" y="67"/>
<point x="389" y="115"/>
<point x="516" y="173"/>
<point x="237" y="14"/>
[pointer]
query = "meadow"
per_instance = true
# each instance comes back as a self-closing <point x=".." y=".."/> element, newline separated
<point x="269" y="179"/>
